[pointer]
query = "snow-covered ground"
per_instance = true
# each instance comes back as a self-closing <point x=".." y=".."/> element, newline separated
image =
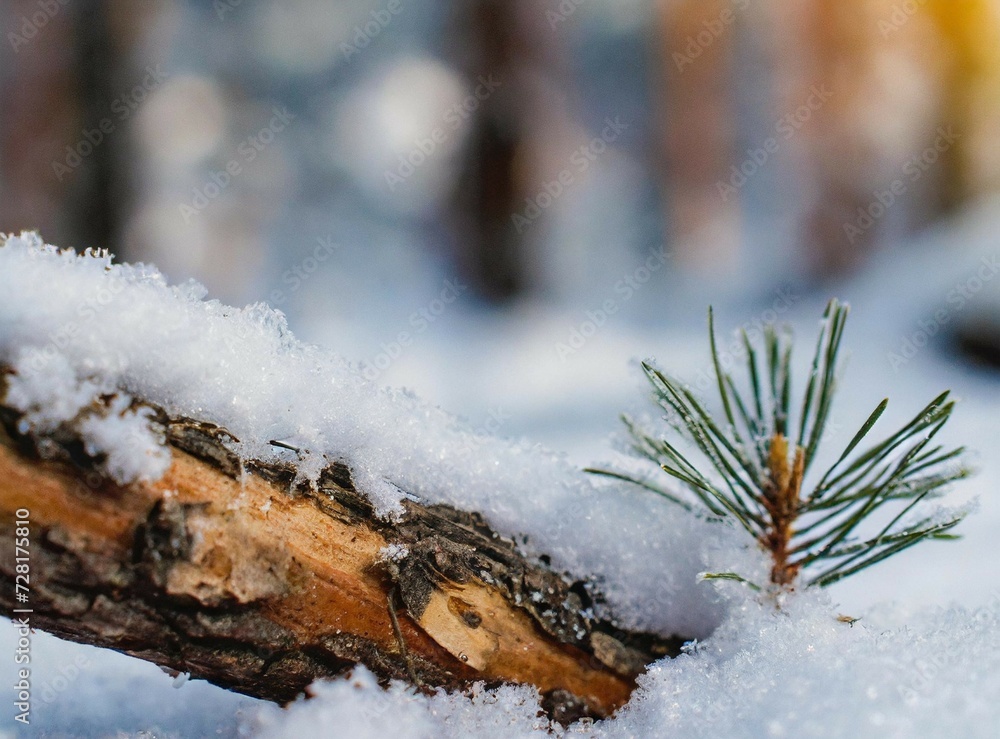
<point x="914" y="665"/>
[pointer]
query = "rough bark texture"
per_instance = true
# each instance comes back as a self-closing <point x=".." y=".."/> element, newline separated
<point x="238" y="574"/>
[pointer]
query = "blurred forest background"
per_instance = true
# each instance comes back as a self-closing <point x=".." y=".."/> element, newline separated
<point x="428" y="136"/>
<point x="500" y="203"/>
<point x="406" y="180"/>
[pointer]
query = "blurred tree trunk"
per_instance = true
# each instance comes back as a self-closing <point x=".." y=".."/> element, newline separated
<point x="697" y="145"/>
<point x="59" y="71"/>
<point x="522" y="137"/>
<point x="899" y="74"/>
<point x="971" y="35"/>
<point x="916" y="102"/>
<point x="885" y="107"/>
<point x="42" y="114"/>
<point x="489" y="249"/>
<point x="98" y="208"/>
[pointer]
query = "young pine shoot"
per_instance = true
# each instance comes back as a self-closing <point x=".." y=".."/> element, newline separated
<point x="755" y="463"/>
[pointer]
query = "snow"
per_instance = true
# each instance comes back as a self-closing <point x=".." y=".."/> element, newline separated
<point x="78" y="327"/>
<point x="49" y="393"/>
<point x="83" y="691"/>
<point x="797" y="672"/>
<point x="358" y="707"/>
<point x="803" y="673"/>
<point x="393" y="553"/>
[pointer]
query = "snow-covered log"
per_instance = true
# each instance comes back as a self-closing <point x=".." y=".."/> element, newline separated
<point x="235" y="573"/>
<point x="259" y="560"/>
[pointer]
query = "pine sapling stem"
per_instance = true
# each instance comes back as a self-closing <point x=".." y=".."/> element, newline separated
<point x="782" y="493"/>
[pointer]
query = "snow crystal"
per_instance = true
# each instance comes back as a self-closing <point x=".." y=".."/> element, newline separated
<point x="393" y="553"/>
<point x="357" y="707"/>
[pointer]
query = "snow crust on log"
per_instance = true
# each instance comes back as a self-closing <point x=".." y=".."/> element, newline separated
<point x="77" y="326"/>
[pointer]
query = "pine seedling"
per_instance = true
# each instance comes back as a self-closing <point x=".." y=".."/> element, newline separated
<point x="759" y="460"/>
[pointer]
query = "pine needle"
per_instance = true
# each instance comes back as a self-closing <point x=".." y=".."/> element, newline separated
<point x="756" y="476"/>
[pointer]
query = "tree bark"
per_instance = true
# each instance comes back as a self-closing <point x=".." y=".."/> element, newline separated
<point x="236" y="572"/>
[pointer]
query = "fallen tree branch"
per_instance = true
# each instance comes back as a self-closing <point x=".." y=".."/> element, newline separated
<point x="237" y="573"/>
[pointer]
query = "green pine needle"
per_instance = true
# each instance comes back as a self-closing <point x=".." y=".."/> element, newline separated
<point x="729" y="576"/>
<point x="756" y="474"/>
